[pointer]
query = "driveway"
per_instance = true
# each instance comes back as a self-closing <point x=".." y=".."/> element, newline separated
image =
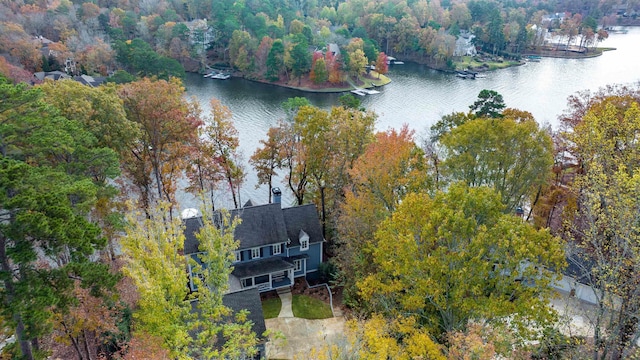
<point x="302" y="335"/>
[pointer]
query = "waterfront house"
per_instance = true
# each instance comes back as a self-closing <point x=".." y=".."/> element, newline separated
<point x="277" y="245"/>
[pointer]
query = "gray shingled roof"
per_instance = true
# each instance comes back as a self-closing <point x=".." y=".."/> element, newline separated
<point x="261" y="225"/>
<point x="260" y="267"/>
<point x="248" y="300"/>
<point x="264" y="225"/>
<point x="305" y="218"/>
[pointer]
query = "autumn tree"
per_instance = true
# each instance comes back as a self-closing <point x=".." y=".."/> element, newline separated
<point x="88" y="325"/>
<point x="98" y="58"/>
<point x="319" y="73"/>
<point x="262" y="55"/>
<point x="568" y="159"/>
<point x="514" y="158"/>
<point x="27" y="53"/>
<point x="357" y="59"/>
<point x="333" y="67"/>
<point x="153" y="249"/>
<point x="265" y="160"/>
<point x="382" y="67"/>
<point x="14" y="73"/>
<point x="455" y="257"/>
<point x="314" y="149"/>
<point x="602" y="218"/>
<point x="389" y="168"/>
<point x="168" y="124"/>
<point x="99" y="109"/>
<point x="217" y="157"/>
<point x="241" y="50"/>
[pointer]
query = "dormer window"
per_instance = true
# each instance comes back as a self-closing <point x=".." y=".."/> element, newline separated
<point x="304" y="240"/>
<point x="255" y="253"/>
<point x="277" y="249"/>
<point x="238" y="256"/>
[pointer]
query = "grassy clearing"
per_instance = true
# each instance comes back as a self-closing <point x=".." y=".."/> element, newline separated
<point x="375" y="80"/>
<point x="365" y="81"/>
<point x="271" y="307"/>
<point x="307" y="307"/>
<point x="469" y="62"/>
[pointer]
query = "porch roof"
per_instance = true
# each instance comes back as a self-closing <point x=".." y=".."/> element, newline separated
<point x="298" y="257"/>
<point x="261" y="267"/>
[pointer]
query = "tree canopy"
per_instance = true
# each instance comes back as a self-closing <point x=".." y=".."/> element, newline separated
<point x="456" y="257"/>
<point x="46" y="237"/>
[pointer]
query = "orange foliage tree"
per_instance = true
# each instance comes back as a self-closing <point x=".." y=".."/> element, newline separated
<point x="389" y="168"/>
<point x="169" y="125"/>
<point x="332" y="63"/>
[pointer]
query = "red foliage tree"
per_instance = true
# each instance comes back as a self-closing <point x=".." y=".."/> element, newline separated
<point x="381" y="64"/>
<point x="333" y="66"/>
<point x="14" y="73"/>
<point x="316" y="55"/>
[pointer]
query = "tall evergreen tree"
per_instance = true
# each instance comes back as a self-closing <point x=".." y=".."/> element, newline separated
<point x="46" y="239"/>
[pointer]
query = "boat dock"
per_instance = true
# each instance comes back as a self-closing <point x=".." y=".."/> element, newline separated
<point x="393" y="61"/>
<point x="363" y="92"/>
<point x="214" y="74"/>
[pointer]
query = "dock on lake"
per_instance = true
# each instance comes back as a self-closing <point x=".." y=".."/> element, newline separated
<point x="363" y="92"/>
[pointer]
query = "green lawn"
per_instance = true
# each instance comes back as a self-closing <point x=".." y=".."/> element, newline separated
<point x="271" y="307"/>
<point x="471" y="61"/>
<point x="307" y="307"/>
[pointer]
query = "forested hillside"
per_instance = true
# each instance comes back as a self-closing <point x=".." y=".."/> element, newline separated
<point x="274" y="40"/>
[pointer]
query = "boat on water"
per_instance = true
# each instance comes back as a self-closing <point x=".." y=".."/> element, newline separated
<point x="398" y="62"/>
<point x="466" y="74"/>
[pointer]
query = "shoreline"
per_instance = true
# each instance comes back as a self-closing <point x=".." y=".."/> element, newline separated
<point x="383" y="80"/>
<point x="563" y="54"/>
<point x="368" y="84"/>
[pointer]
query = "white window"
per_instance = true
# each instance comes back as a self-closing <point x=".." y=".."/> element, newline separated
<point x="255" y="253"/>
<point x="297" y="265"/>
<point x="304" y="240"/>
<point x="238" y="256"/>
<point x="277" y="249"/>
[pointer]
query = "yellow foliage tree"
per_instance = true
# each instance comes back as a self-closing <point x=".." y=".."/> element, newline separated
<point x="456" y="257"/>
<point x="153" y="250"/>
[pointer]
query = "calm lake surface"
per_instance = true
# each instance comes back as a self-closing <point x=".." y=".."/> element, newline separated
<point x="419" y="96"/>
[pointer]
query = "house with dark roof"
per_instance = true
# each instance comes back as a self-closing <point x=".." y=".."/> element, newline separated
<point x="92" y="81"/>
<point x="245" y="300"/>
<point x="276" y="245"/>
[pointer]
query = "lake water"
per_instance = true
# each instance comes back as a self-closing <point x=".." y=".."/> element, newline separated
<point x="419" y="96"/>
